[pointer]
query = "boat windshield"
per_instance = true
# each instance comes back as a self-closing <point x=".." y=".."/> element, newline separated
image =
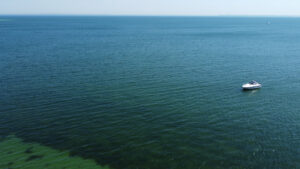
<point x="253" y="82"/>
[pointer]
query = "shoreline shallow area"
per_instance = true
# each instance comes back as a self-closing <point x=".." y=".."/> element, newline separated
<point x="14" y="153"/>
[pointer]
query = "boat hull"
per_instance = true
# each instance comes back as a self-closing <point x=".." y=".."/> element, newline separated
<point x="251" y="87"/>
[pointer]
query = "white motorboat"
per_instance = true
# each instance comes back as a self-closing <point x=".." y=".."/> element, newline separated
<point x="251" y="85"/>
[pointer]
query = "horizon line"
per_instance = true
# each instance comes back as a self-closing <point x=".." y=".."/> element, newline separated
<point x="154" y="15"/>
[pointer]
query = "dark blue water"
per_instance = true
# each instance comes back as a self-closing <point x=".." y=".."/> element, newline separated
<point x="154" y="92"/>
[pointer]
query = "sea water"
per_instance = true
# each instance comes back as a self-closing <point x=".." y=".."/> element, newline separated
<point x="152" y="92"/>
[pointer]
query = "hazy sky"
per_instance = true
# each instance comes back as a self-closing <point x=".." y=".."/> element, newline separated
<point x="152" y="7"/>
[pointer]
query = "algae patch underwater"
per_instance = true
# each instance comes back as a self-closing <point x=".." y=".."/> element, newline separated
<point x="14" y="153"/>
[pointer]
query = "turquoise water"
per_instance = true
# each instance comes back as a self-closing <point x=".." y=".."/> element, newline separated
<point x="154" y="92"/>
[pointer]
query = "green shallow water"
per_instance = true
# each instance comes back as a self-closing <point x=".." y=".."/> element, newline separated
<point x="16" y="154"/>
<point x="153" y="92"/>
